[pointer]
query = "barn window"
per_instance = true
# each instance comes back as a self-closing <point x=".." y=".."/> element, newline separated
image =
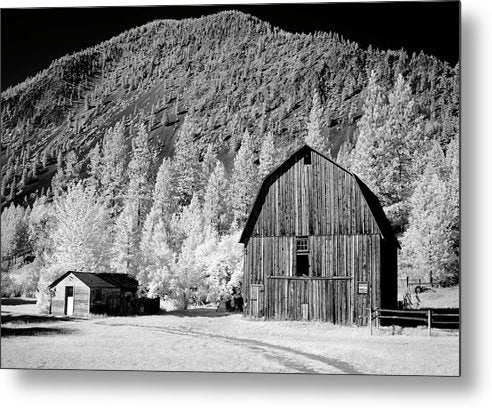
<point x="302" y="256"/>
<point x="307" y="158"/>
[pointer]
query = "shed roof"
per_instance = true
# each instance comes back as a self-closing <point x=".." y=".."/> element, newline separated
<point x="102" y="280"/>
<point x="370" y="198"/>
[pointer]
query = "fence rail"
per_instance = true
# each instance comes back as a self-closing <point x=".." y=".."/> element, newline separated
<point x="432" y="318"/>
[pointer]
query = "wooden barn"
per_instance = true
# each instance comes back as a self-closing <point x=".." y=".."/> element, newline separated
<point x="317" y="245"/>
<point x="83" y="293"/>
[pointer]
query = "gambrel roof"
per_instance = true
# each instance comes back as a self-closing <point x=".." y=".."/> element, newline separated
<point x="370" y="198"/>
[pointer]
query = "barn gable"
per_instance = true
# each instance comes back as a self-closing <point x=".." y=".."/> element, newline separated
<point x="301" y="219"/>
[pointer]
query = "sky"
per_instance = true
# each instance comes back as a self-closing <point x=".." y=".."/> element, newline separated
<point x="32" y="38"/>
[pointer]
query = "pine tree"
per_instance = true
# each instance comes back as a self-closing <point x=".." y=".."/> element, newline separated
<point x="164" y="201"/>
<point x="59" y="160"/>
<point x="110" y="166"/>
<point x="158" y="261"/>
<point x="165" y="118"/>
<point x="23" y="180"/>
<point x="140" y="174"/>
<point x="137" y="202"/>
<point x="207" y="167"/>
<point x="12" y="191"/>
<point x="45" y="157"/>
<point x="267" y="156"/>
<point x="72" y="168"/>
<point x="428" y="245"/>
<point x="215" y="207"/>
<point x="125" y="249"/>
<point x="187" y="163"/>
<point x="34" y="171"/>
<point x="314" y="138"/>
<point x="401" y="143"/>
<point x="94" y="167"/>
<point x="365" y="158"/>
<point x="244" y="181"/>
<point x="389" y="137"/>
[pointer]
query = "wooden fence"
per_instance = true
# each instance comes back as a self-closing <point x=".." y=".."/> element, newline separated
<point x="432" y="318"/>
<point x="417" y="282"/>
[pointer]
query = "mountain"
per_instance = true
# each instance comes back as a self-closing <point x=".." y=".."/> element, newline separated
<point x="226" y="72"/>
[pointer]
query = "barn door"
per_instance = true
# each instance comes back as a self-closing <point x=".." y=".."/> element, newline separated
<point x="69" y="300"/>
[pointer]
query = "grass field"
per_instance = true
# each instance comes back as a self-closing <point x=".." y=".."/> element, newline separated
<point x="203" y="340"/>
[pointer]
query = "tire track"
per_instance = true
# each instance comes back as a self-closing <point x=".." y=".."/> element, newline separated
<point x="280" y="354"/>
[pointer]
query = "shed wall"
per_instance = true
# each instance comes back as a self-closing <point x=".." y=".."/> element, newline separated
<point x="81" y="297"/>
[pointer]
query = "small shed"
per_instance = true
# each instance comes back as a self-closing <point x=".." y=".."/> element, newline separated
<point x="83" y="293"/>
<point x="317" y="245"/>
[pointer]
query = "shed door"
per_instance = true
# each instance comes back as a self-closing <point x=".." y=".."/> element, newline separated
<point x="256" y="293"/>
<point x="69" y="300"/>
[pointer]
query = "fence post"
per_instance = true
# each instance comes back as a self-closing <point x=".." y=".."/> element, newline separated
<point x="407" y="281"/>
<point x="429" y="321"/>
<point x="370" y="320"/>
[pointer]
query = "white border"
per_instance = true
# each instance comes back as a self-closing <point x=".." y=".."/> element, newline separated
<point x="87" y="389"/>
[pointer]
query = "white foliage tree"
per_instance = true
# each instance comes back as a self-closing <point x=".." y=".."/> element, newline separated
<point x="82" y="236"/>
<point x="225" y="267"/>
<point x="157" y="258"/>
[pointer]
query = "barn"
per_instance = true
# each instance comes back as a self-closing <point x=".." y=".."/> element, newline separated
<point x="317" y="245"/>
<point x="83" y="293"/>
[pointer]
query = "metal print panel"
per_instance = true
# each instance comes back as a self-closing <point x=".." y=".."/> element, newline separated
<point x="237" y="188"/>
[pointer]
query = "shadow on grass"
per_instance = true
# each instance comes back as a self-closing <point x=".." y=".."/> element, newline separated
<point x="17" y="301"/>
<point x="28" y="319"/>
<point x="33" y="331"/>
<point x="198" y="312"/>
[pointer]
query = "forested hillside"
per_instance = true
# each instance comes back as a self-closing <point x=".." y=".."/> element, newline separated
<point x="143" y="154"/>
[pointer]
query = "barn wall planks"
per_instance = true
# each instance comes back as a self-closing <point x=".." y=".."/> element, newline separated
<point x="316" y="199"/>
<point x="325" y="203"/>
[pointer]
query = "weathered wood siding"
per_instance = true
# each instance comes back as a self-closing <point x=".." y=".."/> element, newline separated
<point x="316" y="199"/>
<point x="323" y="202"/>
<point x="80" y="297"/>
<point x="356" y="257"/>
<point x="109" y="301"/>
<point x="294" y="298"/>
